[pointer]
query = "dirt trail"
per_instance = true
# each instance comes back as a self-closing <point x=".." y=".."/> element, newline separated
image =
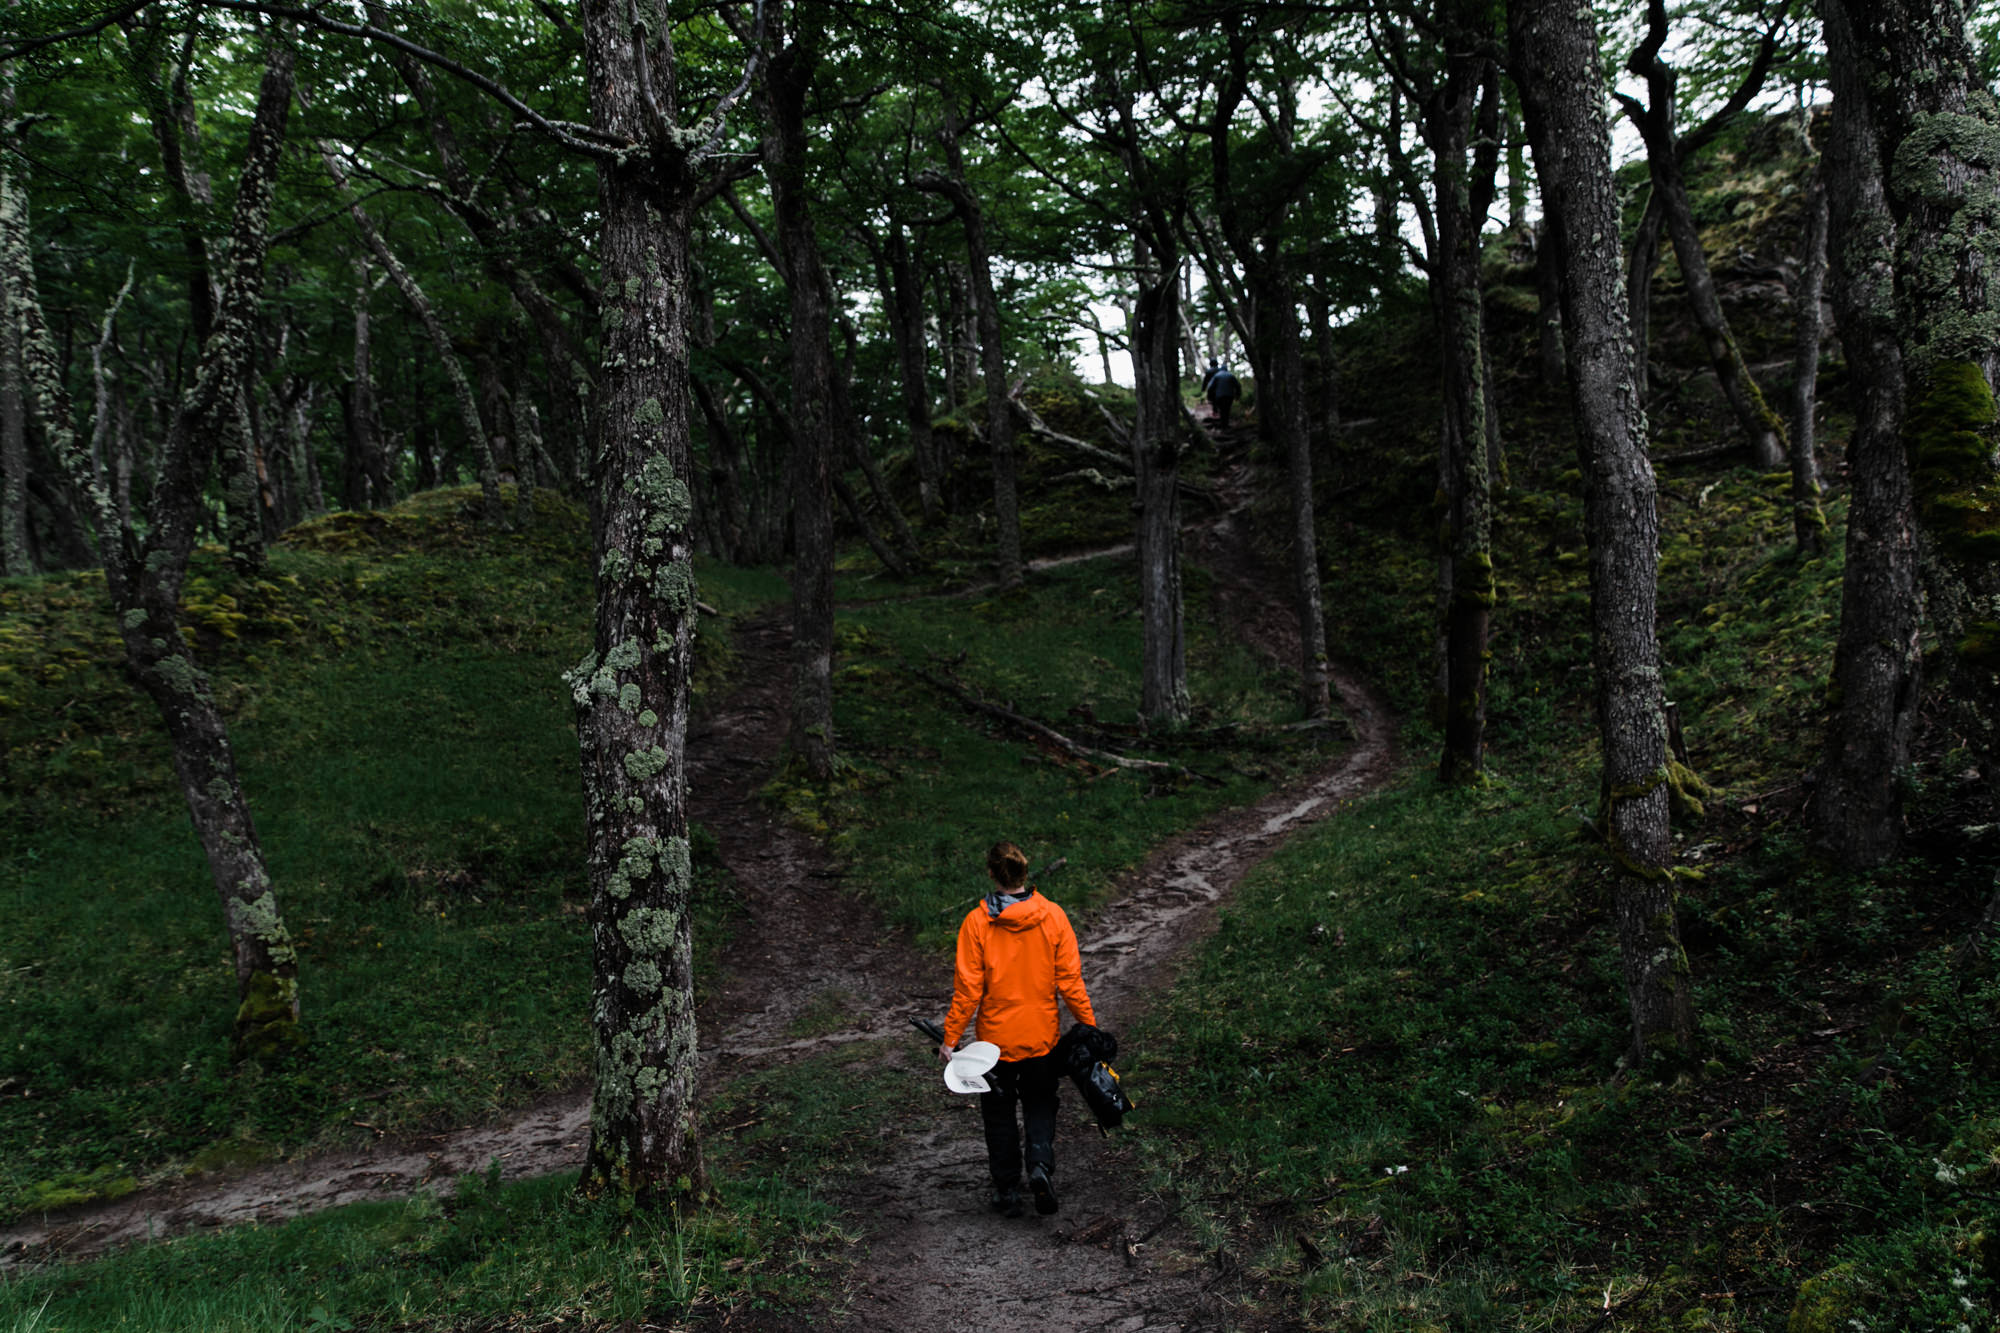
<point x="936" y="1258"/>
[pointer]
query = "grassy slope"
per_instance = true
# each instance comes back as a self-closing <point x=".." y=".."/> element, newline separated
<point x="395" y="699"/>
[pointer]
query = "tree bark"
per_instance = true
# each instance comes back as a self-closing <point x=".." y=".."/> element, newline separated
<point x="493" y="510"/>
<point x="1157" y="446"/>
<point x="1465" y="478"/>
<point x="1639" y="286"/>
<point x="903" y="298"/>
<point x="786" y="84"/>
<point x="631" y="692"/>
<point x="144" y="574"/>
<point x="992" y="351"/>
<point x="15" y="558"/>
<point x="240" y="473"/>
<point x="1808" y="519"/>
<point x="1556" y="62"/>
<point x="1938" y="140"/>
<point x="364" y="477"/>
<point x="1655" y="122"/>
<point x="1877" y="668"/>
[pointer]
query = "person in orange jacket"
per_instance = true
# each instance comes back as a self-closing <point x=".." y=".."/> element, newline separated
<point x="1016" y="954"/>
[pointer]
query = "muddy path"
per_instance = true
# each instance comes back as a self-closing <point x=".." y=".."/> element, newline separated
<point x="934" y="1256"/>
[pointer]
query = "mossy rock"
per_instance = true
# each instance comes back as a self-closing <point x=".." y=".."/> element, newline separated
<point x="1826" y="1303"/>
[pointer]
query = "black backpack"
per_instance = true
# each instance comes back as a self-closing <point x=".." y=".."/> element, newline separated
<point x="1085" y="1053"/>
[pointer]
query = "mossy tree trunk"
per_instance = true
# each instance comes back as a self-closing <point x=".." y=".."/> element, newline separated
<point x="1665" y="161"/>
<point x="1548" y="309"/>
<point x="631" y="692"/>
<point x="1808" y="518"/>
<point x="1555" y="58"/>
<point x="1877" y="667"/>
<point x="992" y="351"/>
<point x="786" y="84"/>
<point x="144" y="573"/>
<point x="1938" y="137"/>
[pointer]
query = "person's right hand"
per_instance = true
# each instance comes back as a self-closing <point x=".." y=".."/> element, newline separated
<point x="945" y="1052"/>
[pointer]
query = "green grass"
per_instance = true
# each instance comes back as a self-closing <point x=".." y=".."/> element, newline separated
<point x="932" y="785"/>
<point x="1389" y="1089"/>
<point x="395" y="700"/>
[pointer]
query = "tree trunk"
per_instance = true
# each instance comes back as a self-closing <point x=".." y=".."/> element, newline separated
<point x="1548" y="313"/>
<point x="1936" y="126"/>
<point x="992" y="352"/>
<point x="143" y="575"/>
<point x="239" y="469"/>
<point x="787" y="80"/>
<point x="1280" y="369"/>
<point x="1281" y="403"/>
<point x="1857" y="804"/>
<point x="493" y="511"/>
<point x="631" y="692"/>
<point x="1555" y="56"/>
<point x="1808" y="519"/>
<point x="1156" y="456"/>
<point x="1655" y="122"/>
<point x="15" y="559"/>
<point x="904" y="299"/>
<point x="527" y="444"/>
<point x="1466" y="481"/>
<point x="360" y="484"/>
<point x="1639" y="286"/>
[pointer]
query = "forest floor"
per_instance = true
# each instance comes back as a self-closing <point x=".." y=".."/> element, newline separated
<point x="933" y="1254"/>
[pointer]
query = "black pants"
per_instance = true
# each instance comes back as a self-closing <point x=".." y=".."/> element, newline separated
<point x="1031" y="1084"/>
<point x="1221" y="406"/>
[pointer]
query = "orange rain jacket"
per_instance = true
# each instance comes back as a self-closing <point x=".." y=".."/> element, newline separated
<point x="1011" y="968"/>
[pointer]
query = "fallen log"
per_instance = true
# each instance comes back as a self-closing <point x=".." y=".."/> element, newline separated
<point x="1048" y="735"/>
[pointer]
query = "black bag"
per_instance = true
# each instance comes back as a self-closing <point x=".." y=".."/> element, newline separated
<point x="1084" y="1053"/>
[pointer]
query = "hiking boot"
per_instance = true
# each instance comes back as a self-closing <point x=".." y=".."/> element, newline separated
<point x="1045" y="1193"/>
<point x="1007" y="1200"/>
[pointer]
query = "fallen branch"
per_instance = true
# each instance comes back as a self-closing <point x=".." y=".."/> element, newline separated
<point x="1050" y="736"/>
<point x="1069" y="443"/>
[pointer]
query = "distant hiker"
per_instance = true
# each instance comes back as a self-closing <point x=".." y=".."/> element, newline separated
<point x="1016" y="954"/>
<point x="1220" y="388"/>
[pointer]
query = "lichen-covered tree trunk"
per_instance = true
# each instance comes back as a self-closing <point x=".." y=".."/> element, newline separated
<point x="144" y="574"/>
<point x="631" y="692"/>
<point x="1938" y="138"/>
<point x="527" y="448"/>
<point x="1157" y="436"/>
<point x="1877" y="668"/>
<point x="15" y="559"/>
<point x="1466" y="481"/>
<point x="242" y="495"/>
<point x="811" y="458"/>
<point x="1808" y="519"/>
<point x="1555" y="58"/>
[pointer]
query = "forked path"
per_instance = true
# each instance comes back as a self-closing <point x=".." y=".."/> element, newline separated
<point x="935" y="1258"/>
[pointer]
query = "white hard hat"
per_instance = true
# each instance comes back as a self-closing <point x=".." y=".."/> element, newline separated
<point x="967" y="1068"/>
